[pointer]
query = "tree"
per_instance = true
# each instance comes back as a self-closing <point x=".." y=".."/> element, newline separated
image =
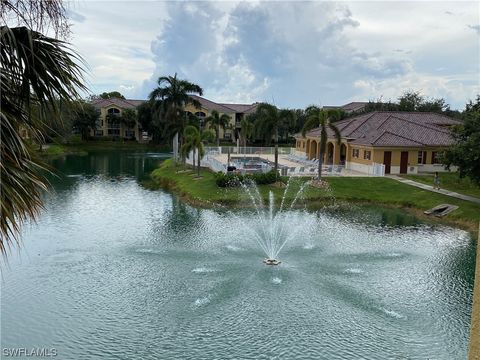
<point x="110" y="95"/>
<point x="37" y="15"/>
<point x="414" y="101"/>
<point x="84" y="119"/>
<point x="322" y="119"/>
<point x="37" y="72"/>
<point x="170" y="98"/>
<point x="410" y="101"/>
<point x="194" y="139"/>
<point x="218" y="121"/>
<point x="129" y="118"/>
<point x="149" y="122"/>
<point x="246" y="131"/>
<point x="268" y="119"/>
<point x="466" y="152"/>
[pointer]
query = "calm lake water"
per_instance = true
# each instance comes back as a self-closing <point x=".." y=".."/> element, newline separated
<point x="113" y="270"/>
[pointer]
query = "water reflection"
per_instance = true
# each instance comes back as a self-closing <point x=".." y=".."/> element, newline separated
<point x="114" y="270"/>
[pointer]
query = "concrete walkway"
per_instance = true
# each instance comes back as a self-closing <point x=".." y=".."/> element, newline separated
<point x="430" y="188"/>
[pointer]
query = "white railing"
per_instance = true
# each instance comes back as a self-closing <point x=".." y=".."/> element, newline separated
<point x="377" y="169"/>
<point x="312" y="170"/>
<point x="207" y="161"/>
<point x="214" y="164"/>
<point x="303" y="167"/>
<point x="249" y="150"/>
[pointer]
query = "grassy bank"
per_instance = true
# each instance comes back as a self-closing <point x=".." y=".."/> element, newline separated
<point x="83" y="147"/>
<point x="204" y="191"/>
<point x="449" y="181"/>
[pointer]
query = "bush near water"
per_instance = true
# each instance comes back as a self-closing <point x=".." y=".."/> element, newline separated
<point x="235" y="180"/>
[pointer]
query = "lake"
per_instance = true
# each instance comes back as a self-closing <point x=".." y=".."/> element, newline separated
<point x="113" y="270"/>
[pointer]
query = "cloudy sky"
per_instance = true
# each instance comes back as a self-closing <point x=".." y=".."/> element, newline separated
<point x="289" y="53"/>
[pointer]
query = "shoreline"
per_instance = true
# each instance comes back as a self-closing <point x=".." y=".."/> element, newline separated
<point x="187" y="189"/>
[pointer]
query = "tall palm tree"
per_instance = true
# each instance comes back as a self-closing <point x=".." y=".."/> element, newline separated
<point x="194" y="139"/>
<point x="246" y="132"/>
<point x="322" y="119"/>
<point x="36" y="72"/>
<point x="218" y="121"/>
<point x="268" y="120"/>
<point x="170" y="98"/>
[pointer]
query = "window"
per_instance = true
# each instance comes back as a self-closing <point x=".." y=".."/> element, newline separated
<point x="130" y="134"/>
<point x="200" y="114"/>
<point x="367" y="154"/>
<point x="114" y="132"/>
<point x="355" y="153"/>
<point x="435" y="159"/>
<point x="227" y="135"/>
<point x="114" y="111"/>
<point x="422" y="157"/>
<point x="98" y="132"/>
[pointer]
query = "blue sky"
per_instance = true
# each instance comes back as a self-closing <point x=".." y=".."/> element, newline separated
<point x="292" y="54"/>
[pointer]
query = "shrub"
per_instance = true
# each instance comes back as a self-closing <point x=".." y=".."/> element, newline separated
<point x="235" y="180"/>
<point x="265" y="178"/>
<point x="228" y="180"/>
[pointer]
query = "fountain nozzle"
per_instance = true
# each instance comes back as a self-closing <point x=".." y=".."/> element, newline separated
<point x="271" y="262"/>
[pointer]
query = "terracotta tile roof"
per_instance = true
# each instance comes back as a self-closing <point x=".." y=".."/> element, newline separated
<point x="350" y="107"/>
<point x="389" y="128"/>
<point x="210" y="105"/>
<point x="121" y="103"/>
<point x="207" y="104"/>
<point x="224" y="107"/>
<point x="242" y="108"/>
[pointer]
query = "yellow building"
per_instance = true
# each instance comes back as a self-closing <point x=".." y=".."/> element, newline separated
<point x="236" y="112"/>
<point x="404" y="142"/>
<point x="107" y="126"/>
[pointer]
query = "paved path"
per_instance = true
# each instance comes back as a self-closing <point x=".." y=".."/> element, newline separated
<point x="430" y="188"/>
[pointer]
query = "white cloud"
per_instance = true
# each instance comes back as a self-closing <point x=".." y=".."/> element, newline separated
<point x="293" y="53"/>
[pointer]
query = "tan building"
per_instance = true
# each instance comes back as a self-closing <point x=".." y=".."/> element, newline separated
<point x="236" y="112"/>
<point x="107" y="126"/>
<point x="405" y="142"/>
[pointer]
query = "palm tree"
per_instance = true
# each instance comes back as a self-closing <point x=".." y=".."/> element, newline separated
<point x="268" y="120"/>
<point x="322" y="119"/>
<point x="246" y="132"/>
<point x="194" y="139"/>
<point x="36" y="72"/>
<point x="84" y="118"/>
<point x="170" y="98"/>
<point x="218" y="121"/>
<point x="129" y="118"/>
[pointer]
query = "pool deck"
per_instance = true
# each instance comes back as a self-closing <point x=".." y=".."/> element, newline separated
<point x="474" y="351"/>
<point x="284" y="161"/>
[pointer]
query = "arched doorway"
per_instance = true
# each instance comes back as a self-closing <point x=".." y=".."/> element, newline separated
<point x="307" y="149"/>
<point x="343" y="154"/>
<point x="312" y="154"/>
<point x="330" y="149"/>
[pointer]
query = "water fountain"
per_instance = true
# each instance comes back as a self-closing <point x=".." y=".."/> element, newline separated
<point x="274" y="226"/>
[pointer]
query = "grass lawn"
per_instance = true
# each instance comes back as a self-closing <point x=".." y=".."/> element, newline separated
<point x="114" y="145"/>
<point x="204" y="191"/>
<point x="449" y="181"/>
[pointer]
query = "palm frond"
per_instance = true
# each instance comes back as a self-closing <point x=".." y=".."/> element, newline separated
<point x="36" y="72"/>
